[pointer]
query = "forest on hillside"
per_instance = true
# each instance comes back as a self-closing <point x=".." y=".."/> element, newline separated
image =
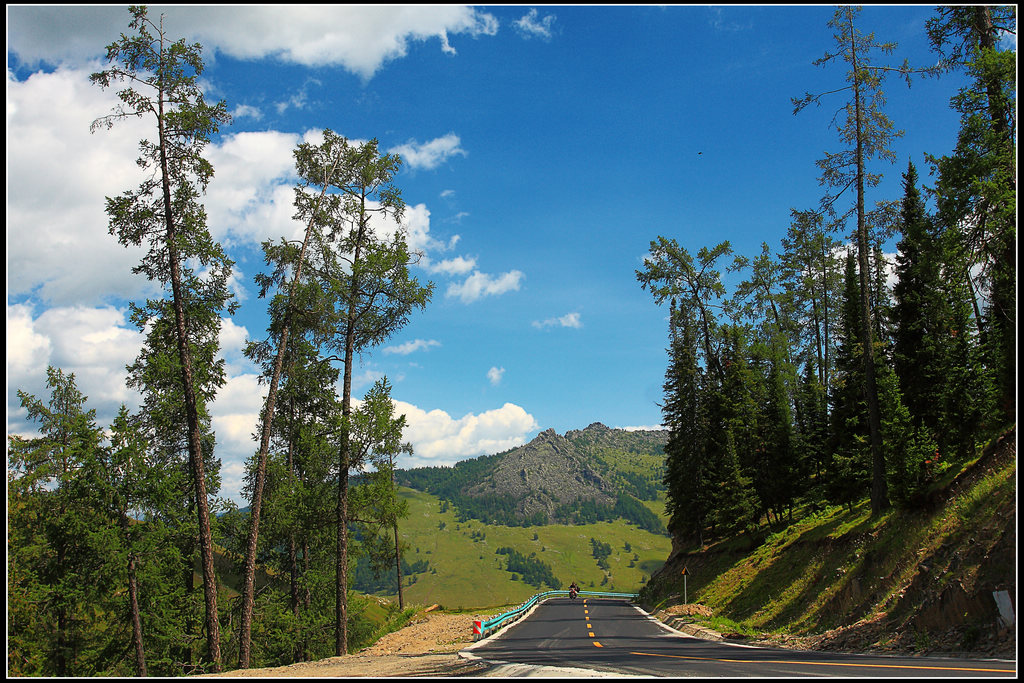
<point x="811" y="383"/>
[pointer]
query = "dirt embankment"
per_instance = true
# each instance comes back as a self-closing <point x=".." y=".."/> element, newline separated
<point x="427" y="646"/>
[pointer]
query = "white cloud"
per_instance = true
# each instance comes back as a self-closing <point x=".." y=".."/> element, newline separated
<point x="495" y="374"/>
<point x="567" y="320"/>
<point x="416" y="223"/>
<point x="459" y="265"/>
<point x="359" y="38"/>
<point x="411" y="346"/>
<point x="530" y="27"/>
<point x="246" y="111"/>
<point x="645" y="428"/>
<point x="480" y="285"/>
<point x="439" y="439"/>
<point x="235" y="415"/>
<point x="93" y="343"/>
<point x="429" y="155"/>
<point x="28" y="352"/>
<point x="250" y="198"/>
<point x="64" y="254"/>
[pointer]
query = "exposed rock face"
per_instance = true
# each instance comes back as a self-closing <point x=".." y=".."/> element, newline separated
<point x="598" y="437"/>
<point x="545" y="473"/>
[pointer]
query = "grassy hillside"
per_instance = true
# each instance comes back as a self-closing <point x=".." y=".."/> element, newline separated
<point x="466" y="571"/>
<point x="920" y="579"/>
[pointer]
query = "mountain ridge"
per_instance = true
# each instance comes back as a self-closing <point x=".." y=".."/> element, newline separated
<point x="594" y="473"/>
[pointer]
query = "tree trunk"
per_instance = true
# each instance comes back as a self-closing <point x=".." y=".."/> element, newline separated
<point x="61" y="659"/>
<point x="398" y="569"/>
<point x="307" y="598"/>
<point x="195" y="448"/>
<point x="341" y="558"/>
<point x="248" y="588"/>
<point x="824" y="302"/>
<point x="879" y="489"/>
<point x="133" y="599"/>
<point x="341" y="572"/>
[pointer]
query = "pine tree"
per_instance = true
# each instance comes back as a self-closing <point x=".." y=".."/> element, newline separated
<point x="165" y="213"/>
<point x="970" y="398"/>
<point x="318" y="167"/>
<point x="977" y="185"/>
<point x="811" y="430"/>
<point x="686" y="476"/>
<point x="921" y="313"/>
<point x="811" y="278"/>
<point x="734" y="443"/>
<point x="57" y="544"/>
<point x="694" y="290"/>
<point x="867" y="132"/>
<point x="375" y="506"/>
<point x="850" y="461"/>
<point x="367" y="274"/>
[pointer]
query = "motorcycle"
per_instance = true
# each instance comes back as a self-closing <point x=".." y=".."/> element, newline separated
<point x="573" y="592"/>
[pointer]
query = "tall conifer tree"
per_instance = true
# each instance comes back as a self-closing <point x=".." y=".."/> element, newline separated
<point x="867" y="133"/>
<point x="165" y="213"/>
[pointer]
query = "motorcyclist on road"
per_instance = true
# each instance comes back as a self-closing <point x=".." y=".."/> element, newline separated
<point x="573" y="590"/>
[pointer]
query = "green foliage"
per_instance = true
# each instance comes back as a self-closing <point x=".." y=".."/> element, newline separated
<point x="533" y="571"/>
<point x="367" y="578"/>
<point x="85" y="533"/>
<point x="809" y="577"/>
<point x="976" y="191"/>
<point x="588" y="511"/>
<point x="599" y="549"/>
<point x="165" y="215"/>
<point x="811" y="386"/>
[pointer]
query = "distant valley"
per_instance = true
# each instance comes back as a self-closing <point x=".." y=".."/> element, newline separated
<point x="587" y="506"/>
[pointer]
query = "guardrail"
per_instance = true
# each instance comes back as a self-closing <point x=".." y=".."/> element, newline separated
<point x="482" y="629"/>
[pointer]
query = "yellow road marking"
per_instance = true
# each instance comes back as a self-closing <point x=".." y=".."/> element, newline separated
<point x="869" y="666"/>
<point x="597" y="644"/>
<point x="591" y="634"/>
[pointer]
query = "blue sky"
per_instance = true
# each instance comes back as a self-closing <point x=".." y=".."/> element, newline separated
<point x="545" y="148"/>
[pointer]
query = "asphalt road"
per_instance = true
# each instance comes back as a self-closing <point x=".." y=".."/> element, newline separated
<point x="614" y="636"/>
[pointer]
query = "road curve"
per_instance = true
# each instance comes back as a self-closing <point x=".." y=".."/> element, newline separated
<point x="614" y="636"/>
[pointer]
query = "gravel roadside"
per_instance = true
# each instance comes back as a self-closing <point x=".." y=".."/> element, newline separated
<point x="427" y="646"/>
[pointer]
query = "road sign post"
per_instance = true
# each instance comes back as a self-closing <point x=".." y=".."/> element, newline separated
<point x="685" y="573"/>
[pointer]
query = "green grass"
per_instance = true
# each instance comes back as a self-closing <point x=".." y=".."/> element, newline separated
<point x="837" y="566"/>
<point x="468" y="574"/>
